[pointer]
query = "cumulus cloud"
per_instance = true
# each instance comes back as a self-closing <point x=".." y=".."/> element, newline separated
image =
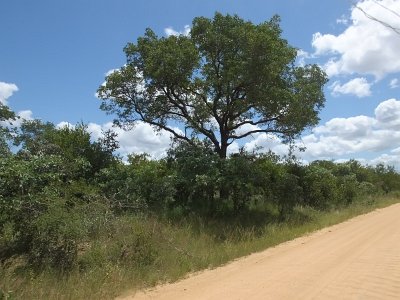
<point x="365" y="46"/>
<point x="21" y="117"/>
<point x="64" y="124"/>
<point x="349" y="137"/>
<point x="170" y="31"/>
<point x="140" y="139"/>
<point x="387" y="114"/>
<point x="246" y="128"/>
<point x="388" y="159"/>
<point x="353" y="127"/>
<point x="394" y="83"/>
<point x="6" y="91"/>
<point x="264" y="142"/>
<point x="357" y="86"/>
<point x="25" y="114"/>
<point x="344" y="136"/>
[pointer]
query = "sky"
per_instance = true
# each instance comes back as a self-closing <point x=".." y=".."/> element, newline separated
<point x="54" y="54"/>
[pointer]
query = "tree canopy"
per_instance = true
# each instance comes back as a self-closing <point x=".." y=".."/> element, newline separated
<point x="226" y="80"/>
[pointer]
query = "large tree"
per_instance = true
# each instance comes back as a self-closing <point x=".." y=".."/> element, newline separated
<point x="226" y="80"/>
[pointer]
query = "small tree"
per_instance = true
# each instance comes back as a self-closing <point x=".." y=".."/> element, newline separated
<point x="73" y="144"/>
<point x="226" y="80"/>
<point x="5" y="115"/>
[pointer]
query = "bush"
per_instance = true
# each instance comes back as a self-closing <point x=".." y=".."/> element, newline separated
<point x="367" y="189"/>
<point x="138" y="186"/>
<point x="288" y="193"/>
<point x="197" y="176"/>
<point x="348" y="188"/>
<point x="55" y="236"/>
<point x="320" y="188"/>
<point x="152" y="181"/>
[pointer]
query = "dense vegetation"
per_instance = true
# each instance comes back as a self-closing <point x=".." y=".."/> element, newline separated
<point x="69" y="206"/>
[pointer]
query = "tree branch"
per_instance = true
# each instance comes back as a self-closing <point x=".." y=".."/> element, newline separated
<point x="251" y="122"/>
<point x="237" y="137"/>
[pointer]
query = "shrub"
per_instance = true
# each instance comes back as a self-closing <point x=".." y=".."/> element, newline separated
<point x="366" y="189"/>
<point x="348" y="188"/>
<point x="197" y="176"/>
<point x="320" y="188"/>
<point x="288" y="192"/>
<point x="55" y="236"/>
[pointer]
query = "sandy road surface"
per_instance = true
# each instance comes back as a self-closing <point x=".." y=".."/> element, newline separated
<point x="357" y="259"/>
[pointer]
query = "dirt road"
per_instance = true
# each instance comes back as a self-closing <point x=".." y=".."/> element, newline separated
<point x="357" y="259"/>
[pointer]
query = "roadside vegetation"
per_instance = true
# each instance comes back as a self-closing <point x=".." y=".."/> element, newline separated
<point x="77" y="222"/>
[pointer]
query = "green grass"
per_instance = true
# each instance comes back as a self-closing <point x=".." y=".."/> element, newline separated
<point x="132" y="252"/>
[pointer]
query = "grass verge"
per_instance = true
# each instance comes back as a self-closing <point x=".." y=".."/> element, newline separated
<point x="134" y="252"/>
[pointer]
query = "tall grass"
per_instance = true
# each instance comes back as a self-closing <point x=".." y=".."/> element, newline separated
<point x="134" y="252"/>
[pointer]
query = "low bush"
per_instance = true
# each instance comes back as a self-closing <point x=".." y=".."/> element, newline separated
<point x="55" y="236"/>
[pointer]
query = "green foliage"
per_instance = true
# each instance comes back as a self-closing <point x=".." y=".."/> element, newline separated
<point x="288" y="193"/>
<point x="196" y="176"/>
<point x="5" y="131"/>
<point x="226" y="74"/>
<point x="153" y="181"/>
<point x="81" y="156"/>
<point x="320" y="188"/>
<point x="55" y="236"/>
<point x="348" y="188"/>
<point x="244" y="180"/>
<point x="140" y="185"/>
<point x="117" y="184"/>
<point x="68" y="205"/>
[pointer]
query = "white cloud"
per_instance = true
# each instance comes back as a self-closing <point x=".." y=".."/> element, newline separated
<point x="353" y="127"/>
<point x="233" y="148"/>
<point x="264" y="142"/>
<point x="246" y="128"/>
<point x="170" y="31"/>
<point x="349" y="137"/>
<point x="365" y="46"/>
<point x="143" y="139"/>
<point x="388" y="114"/>
<point x="140" y="139"/>
<point x="396" y="150"/>
<point x="342" y="20"/>
<point x="6" y="91"/>
<point x="394" y="83"/>
<point x="65" y="124"/>
<point x="386" y="159"/>
<point x="357" y="86"/>
<point x="302" y="56"/>
<point x="25" y="114"/>
<point x="22" y="116"/>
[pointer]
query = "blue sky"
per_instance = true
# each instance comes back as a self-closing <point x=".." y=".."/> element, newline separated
<point x="54" y="55"/>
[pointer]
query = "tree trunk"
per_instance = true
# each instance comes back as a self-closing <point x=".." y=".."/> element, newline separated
<point x="223" y="191"/>
<point x="224" y="145"/>
<point x="223" y="151"/>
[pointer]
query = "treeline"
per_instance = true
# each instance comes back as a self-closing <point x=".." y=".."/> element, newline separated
<point x="60" y="191"/>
